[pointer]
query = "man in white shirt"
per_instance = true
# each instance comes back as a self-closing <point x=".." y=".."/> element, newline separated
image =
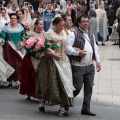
<point x="82" y="49"/>
<point x="68" y="24"/>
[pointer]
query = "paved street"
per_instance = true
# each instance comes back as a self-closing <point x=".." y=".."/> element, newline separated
<point x="105" y="100"/>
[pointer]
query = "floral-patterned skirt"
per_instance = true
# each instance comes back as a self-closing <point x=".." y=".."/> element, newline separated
<point x="49" y="85"/>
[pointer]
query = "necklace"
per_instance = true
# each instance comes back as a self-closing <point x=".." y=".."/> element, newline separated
<point x="39" y="34"/>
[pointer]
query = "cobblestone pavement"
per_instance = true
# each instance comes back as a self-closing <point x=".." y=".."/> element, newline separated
<point x="105" y="100"/>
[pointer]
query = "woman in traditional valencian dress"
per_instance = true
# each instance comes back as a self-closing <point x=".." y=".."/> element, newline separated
<point x="30" y="63"/>
<point x="13" y="34"/>
<point x="13" y="8"/>
<point x="5" y="69"/>
<point x="54" y="76"/>
<point x="4" y="18"/>
<point x="102" y="27"/>
<point x="26" y="24"/>
<point x="114" y="37"/>
<point x="31" y="10"/>
<point x="7" y="6"/>
<point x="5" y="15"/>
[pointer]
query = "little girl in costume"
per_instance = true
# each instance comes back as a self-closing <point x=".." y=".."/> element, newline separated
<point x="114" y="37"/>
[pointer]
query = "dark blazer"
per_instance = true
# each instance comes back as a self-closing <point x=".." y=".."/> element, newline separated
<point x="111" y="16"/>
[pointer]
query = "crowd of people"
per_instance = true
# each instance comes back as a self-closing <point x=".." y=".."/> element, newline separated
<point x="105" y="19"/>
<point x="47" y="49"/>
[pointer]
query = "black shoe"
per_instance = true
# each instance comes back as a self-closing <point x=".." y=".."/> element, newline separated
<point x="42" y="109"/>
<point x="63" y="113"/>
<point x="42" y="106"/>
<point x="97" y="43"/>
<point x="9" y="86"/>
<point x="102" y="44"/>
<point x="114" y="44"/>
<point x="66" y="108"/>
<point x="88" y="113"/>
<point x="28" y="98"/>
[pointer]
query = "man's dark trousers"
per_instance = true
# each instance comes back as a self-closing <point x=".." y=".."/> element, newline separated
<point x="84" y="75"/>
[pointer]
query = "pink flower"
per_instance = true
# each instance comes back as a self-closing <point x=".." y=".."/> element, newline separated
<point x="39" y="45"/>
<point x="27" y="26"/>
<point x="30" y="42"/>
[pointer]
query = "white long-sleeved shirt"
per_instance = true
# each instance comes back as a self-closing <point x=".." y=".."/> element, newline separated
<point x="87" y="60"/>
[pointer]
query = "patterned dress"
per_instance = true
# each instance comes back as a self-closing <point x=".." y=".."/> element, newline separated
<point x="28" y="76"/>
<point x="54" y="77"/>
<point x="12" y="55"/>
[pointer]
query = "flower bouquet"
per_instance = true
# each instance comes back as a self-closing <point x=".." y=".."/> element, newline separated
<point x="33" y="46"/>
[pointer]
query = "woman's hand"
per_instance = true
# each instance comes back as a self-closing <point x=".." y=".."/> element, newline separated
<point x="77" y="49"/>
<point x="52" y="54"/>
<point x="38" y="56"/>
<point x="57" y="56"/>
<point x="21" y="45"/>
<point x="1" y="41"/>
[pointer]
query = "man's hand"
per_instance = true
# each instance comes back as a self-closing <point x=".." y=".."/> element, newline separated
<point x="82" y="53"/>
<point x="98" y="67"/>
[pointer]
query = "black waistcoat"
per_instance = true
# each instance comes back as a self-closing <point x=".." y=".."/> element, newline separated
<point x="80" y="43"/>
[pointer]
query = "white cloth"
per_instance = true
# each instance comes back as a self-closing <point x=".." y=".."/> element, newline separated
<point x="10" y="10"/>
<point x="3" y="21"/>
<point x="102" y="4"/>
<point x="114" y="37"/>
<point x="5" y="69"/>
<point x="51" y="25"/>
<point x="32" y="24"/>
<point x="7" y="10"/>
<point x="21" y="52"/>
<point x="65" y="73"/>
<point x="92" y="6"/>
<point x="28" y="16"/>
<point x="87" y="60"/>
<point x="63" y="3"/>
<point x="40" y="10"/>
<point x="101" y="15"/>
